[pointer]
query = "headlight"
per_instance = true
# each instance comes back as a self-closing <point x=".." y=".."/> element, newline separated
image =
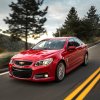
<point x="44" y="62"/>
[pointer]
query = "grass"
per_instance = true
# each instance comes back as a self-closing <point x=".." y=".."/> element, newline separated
<point x="92" y="40"/>
<point x="1" y="50"/>
<point x="4" y="61"/>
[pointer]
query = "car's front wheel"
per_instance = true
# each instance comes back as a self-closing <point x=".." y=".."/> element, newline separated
<point x="60" y="71"/>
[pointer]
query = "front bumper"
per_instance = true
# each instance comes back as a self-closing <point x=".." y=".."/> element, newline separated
<point x="36" y="74"/>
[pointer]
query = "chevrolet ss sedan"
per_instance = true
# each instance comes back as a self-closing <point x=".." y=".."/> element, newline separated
<point x="49" y="60"/>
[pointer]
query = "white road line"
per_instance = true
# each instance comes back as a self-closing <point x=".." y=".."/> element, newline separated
<point x="4" y="73"/>
<point x="8" y="72"/>
<point x="93" y="46"/>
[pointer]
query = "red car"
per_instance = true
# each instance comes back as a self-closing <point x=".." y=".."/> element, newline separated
<point x="49" y="60"/>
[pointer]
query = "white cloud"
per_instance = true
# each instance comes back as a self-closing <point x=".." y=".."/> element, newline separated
<point x="57" y="12"/>
<point x="56" y="16"/>
<point x="59" y="9"/>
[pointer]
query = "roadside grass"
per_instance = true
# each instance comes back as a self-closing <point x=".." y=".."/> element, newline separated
<point x="4" y="61"/>
<point x="92" y="40"/>
<point x="1" y="50"/>
<point x="96" y="39"/>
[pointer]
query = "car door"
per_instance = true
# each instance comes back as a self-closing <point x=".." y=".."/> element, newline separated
<point x="80" y="48"/>
<point x="70" y="56"/>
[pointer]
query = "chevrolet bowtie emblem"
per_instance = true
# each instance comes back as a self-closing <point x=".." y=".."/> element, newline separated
<point x="21" y="63"/>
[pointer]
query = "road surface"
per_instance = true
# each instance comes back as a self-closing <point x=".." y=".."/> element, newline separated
<point x="11" y="89"/>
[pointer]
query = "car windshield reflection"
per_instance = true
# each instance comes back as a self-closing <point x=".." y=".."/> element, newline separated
<point x="49" y="45"/>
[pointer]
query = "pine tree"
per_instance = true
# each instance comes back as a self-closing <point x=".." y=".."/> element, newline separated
<point x="26" y="18"/>
<point x="93" y="18"/>
<point x="72" y="21"/>
<point x="90" y="24"/>
<point x="71" y="24"/>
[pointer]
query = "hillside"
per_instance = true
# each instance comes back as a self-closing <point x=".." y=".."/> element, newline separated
<point x="6" y="43"/>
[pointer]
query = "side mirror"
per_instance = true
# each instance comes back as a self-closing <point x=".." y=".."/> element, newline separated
<point x="71" y="48"/>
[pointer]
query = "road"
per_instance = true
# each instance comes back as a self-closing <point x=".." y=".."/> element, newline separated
<point x="11" y="89"/>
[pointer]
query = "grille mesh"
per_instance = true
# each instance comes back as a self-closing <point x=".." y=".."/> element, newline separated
<point x="22" y="72"/>
<point x="23" y="63"/>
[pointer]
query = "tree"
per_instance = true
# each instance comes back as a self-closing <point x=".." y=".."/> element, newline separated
<point x="89" y="24"/>
<point x="92" y="19"/>
<point x="26" y="18"/>
<point x="72" y="21"/>
<point x="71" y="24"/>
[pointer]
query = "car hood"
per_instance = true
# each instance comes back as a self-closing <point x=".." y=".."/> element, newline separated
<point x="34" y="54"/>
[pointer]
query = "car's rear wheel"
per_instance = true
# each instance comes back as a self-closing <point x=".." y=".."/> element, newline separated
<point x="85" y="59"/>
<point x="60" y="71"/>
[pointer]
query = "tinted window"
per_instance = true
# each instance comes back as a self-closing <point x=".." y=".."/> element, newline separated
<point x="50" y="44"/>
<point x="77" y="42"/>
<point x="70" y="42"/>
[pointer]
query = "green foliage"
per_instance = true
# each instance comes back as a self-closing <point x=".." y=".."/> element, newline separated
<point x="1" y="50"/>
<point x="14" y="38"/>
<point x="85" y="28"/>
<point x="72" y="21"/>
<point x="70" y="25"/>
<point x="89" y="24"/>
<point x="4" y="61"/>
<point x="26" y="18"/>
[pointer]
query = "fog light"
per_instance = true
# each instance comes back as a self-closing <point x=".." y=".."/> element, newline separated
<point x="43" y="75"/>
<point x="46" y="75"/>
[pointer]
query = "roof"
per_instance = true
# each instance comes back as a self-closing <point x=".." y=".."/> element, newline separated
<point x="59" y="38"/>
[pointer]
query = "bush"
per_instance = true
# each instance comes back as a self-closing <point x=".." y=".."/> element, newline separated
<point x="4" y="61"/>
<point x="1" y="50"/>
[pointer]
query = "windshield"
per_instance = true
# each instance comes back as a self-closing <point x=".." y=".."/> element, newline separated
<point x="50" y="45"/>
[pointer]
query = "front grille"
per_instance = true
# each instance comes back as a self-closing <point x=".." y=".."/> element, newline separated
<point x="22" y="63"/>
<point x="22" y="72"/>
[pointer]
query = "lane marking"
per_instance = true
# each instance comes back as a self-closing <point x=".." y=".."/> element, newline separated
<point x="89" y="88"/>
<point x="93" y="46"/>
<point x="79" y="88"/>
<point x="8" y="72"/>
<point x="4" y="73"/>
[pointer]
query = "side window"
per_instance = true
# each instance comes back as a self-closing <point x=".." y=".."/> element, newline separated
<point x="70" y="42"/>
<point x="77" y="42"/>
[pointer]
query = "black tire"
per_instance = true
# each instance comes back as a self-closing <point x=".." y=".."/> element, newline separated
<point x="60" y="71"/>
<point x="85" y="60"/>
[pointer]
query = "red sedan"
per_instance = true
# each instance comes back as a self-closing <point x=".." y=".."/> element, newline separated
<point x="49" y="60"/>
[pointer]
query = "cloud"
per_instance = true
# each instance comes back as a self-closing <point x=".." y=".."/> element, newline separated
<point x="55" y="17"/>
<point x="83" y="7"/>
<point x="57" y="12"/>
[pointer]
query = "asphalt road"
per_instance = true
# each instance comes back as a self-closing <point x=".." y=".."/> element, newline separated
<point x="11" y="89"/>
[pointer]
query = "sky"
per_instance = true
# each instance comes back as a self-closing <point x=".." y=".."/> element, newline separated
<point x="57" y="12"/>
